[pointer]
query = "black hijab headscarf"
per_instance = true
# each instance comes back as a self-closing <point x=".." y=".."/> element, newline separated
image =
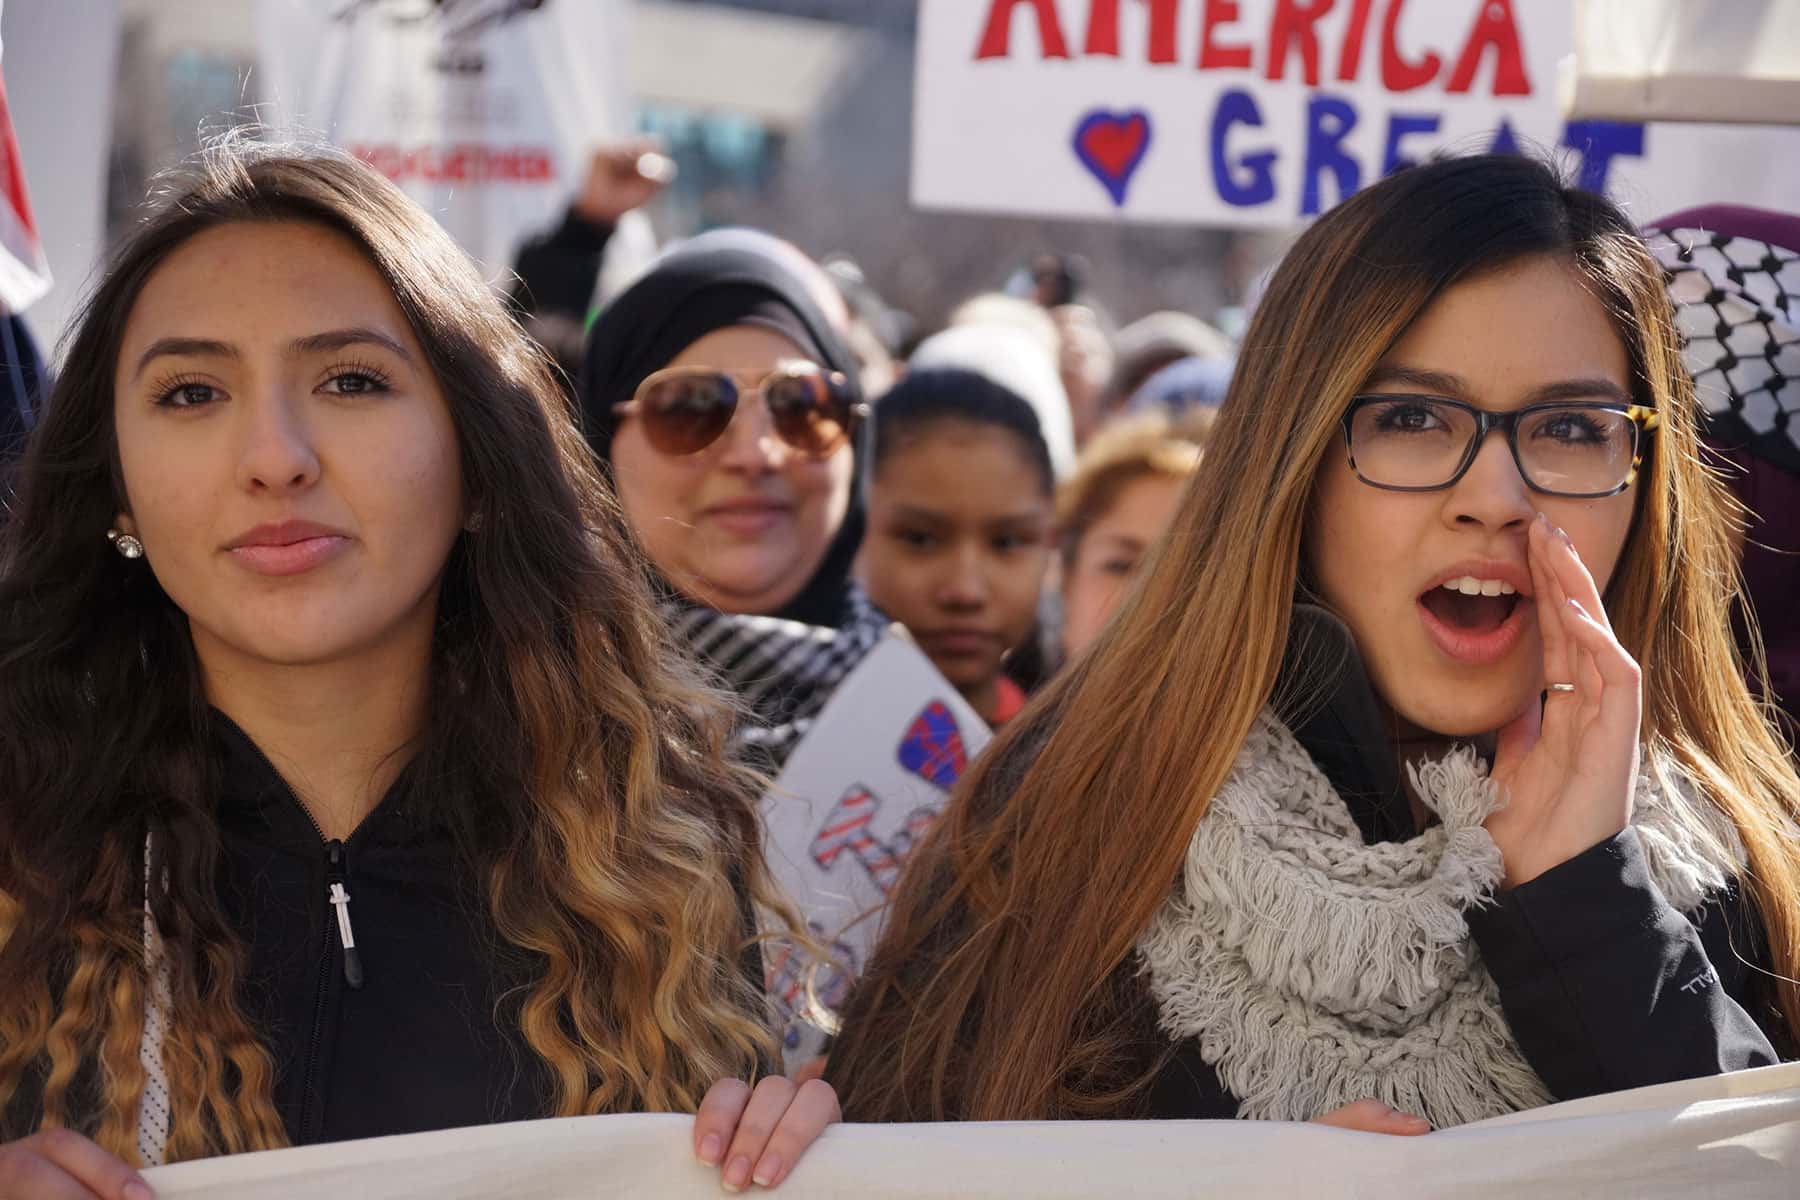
<point x="720" y="279"/>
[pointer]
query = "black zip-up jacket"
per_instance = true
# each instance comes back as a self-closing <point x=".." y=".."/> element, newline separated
<point x="419" y="1029"/>
<point x="430" y="1039"/>
<point x="1605" y="986"/>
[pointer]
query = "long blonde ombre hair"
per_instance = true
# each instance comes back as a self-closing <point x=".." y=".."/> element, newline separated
<point x="576" y="757"/>
<point x="1004" y="986"/>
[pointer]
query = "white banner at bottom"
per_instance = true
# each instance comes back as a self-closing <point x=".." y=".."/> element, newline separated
<point x="1725" y="1137"/>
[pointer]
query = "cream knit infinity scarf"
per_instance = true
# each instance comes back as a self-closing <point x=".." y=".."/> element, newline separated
<point x="1316" y="969"/>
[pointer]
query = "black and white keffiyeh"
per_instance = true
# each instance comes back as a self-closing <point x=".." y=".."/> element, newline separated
<point x="784" y="671"/>
<point x="1738" y="308"/>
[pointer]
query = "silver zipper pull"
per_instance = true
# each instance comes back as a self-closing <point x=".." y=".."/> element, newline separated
<point x="353" y="972"/>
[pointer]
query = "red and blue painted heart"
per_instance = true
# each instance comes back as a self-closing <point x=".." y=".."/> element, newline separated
<point x="1112" y="146"/>
<point x="933" y="747"/>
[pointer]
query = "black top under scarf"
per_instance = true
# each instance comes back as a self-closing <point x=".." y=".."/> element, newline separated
<point x="1324" y="695"/>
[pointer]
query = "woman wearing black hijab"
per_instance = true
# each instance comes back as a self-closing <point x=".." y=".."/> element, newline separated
<point x="726" y="406"/>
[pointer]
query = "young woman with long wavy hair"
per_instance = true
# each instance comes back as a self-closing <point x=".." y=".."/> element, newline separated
<point x="350" y="783"/>
<point x="1245" y="859"/>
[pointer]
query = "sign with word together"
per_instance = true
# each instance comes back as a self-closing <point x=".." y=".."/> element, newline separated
<point x="1267" y="112"/>
<point x="1731" y="1137"/>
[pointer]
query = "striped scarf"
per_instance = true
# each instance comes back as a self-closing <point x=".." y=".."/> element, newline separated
<point x="783" y="671"/>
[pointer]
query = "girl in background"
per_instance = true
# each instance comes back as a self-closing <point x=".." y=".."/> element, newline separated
<point x="1125" y="492"/>
<point x="1247" y="856"/>
<point x="960" y="510"/>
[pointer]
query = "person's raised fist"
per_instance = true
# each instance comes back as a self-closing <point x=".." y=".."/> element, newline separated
<point x="623" y="176"/>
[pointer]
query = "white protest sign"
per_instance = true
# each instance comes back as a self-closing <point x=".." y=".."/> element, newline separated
<point x="1267" y="112"/>
<point x="484" y="111"/>
<point x="853" y="799"/>
<point x="1733" y="1137"/>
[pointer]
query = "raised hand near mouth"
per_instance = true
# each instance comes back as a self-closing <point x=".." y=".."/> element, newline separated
<point x="1567" y="768"/>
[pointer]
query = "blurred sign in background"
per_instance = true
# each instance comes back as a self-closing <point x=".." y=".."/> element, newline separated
<point x="485" y="112"/>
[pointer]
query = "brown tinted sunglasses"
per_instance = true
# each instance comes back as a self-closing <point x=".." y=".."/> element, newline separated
<point x="686" y="409"/>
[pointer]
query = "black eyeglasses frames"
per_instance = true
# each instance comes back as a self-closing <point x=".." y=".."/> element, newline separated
<point x="1582" y="449"/>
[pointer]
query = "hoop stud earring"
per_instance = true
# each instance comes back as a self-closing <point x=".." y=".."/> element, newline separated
<point x="125" y="544"/>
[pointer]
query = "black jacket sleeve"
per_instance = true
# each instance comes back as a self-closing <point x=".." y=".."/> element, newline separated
<point x="556" y="271"/>
<point x="1608" y="987"/>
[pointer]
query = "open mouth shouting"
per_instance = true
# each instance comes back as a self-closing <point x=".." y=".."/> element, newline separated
<point x="1476" y="612"/>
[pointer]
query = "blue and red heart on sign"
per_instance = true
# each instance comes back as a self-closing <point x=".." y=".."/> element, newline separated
<point x="1112" y="146"/>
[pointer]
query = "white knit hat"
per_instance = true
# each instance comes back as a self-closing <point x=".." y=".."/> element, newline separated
<point x="1011" y="358"/>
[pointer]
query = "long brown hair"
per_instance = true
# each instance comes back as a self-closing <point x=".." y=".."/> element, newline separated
<point x="1002" y="989"/>
<point x="577" y="759"/>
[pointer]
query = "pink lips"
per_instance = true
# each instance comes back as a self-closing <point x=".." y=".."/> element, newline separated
<point x="1477" y="649"/>
<point x="1488" y="646"/>
<point x="748" y="516"/>
<point x="288" y="547"/>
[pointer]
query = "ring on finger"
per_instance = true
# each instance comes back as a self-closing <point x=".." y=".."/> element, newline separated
<point x="1560" y="687"/>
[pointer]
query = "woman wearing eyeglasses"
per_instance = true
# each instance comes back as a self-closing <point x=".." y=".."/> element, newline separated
<point x="1416" y="781"/>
